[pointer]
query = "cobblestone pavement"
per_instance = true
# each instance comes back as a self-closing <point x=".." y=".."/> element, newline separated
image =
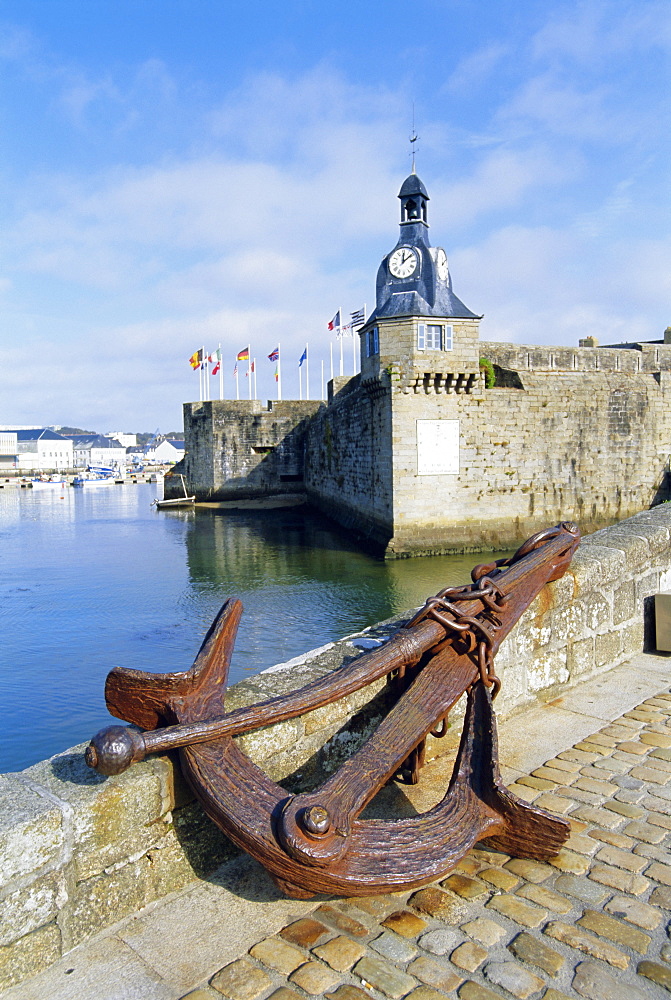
<point x="592" y="923"/>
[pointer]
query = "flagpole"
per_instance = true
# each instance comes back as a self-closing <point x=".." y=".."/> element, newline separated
<point x="342" y="370"/>
<point x="206" y="375"/>
<point x="221" y="374"/>
<point x="300" y="382"/>
<point x="237" y="382"/>
<point x="323" y="396"/>
<point x="307" y="373"/>
<point x="331" y="352"/>
<point x="279" y="371"/>
<point x="254" y="373"/>
<point x="249" y="370"/>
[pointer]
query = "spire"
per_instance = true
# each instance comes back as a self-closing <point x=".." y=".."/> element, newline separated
<point x="414" y="197"/>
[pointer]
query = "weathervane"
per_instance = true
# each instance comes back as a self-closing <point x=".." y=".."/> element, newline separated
<point x="413" y="138"/>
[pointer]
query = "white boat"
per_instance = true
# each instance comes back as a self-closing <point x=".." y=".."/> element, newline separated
<point x="48" y="483"/>
<point x="185" y="501"/>
<point x="96" y="476"/>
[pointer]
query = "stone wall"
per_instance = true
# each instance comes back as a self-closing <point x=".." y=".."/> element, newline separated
<point x="236" y="449"/>
<point x="587" y="446"/>
<point x="79" y="852"/>
<point x="348" y="469"/>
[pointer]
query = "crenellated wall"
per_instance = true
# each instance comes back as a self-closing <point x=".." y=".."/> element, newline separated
<point x="79" y="852"/>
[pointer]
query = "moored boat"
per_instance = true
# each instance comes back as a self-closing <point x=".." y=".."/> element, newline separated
<point x="48" y="483"/>
<point x="96" y="476"/>
<point x="185" y="501"/>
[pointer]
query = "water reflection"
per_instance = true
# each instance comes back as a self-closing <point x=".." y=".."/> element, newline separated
<point x="92" y="580"/>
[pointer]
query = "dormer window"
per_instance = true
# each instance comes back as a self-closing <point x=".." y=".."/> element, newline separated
<point x="434" y="337"/>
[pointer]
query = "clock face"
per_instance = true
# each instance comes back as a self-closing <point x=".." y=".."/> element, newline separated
<point x="441" y="264"/>
<point x="403" y="262"/>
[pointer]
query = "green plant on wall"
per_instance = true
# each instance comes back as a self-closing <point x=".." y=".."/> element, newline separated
<point x="490" y="376"/>
<point x="394" y="372"/>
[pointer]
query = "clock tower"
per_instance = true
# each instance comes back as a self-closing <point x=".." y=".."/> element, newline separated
<point x="419" y="332"/>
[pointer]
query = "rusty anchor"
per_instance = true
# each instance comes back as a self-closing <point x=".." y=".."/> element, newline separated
<point x="315" y="842"/>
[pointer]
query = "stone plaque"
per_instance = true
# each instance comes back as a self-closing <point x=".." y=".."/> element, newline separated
<point x="437" y="447"/>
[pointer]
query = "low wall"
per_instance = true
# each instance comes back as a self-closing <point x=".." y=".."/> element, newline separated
<point x="79" y="852"/>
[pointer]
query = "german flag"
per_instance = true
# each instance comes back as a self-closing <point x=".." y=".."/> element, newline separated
<point x="244" y="355"/>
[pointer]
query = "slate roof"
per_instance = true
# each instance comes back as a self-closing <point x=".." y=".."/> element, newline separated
<point x="38" y="434"/>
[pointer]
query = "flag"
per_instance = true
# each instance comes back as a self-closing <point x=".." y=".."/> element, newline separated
<point x="358" y="317"/>
<point x="244" y="355"/>
<point x="250" y="369"/>
<point x="303" y="357"/>
<point x="335" y="322"/>
<point x="235" y="372"/>
<point x="277" y="375"/>
<point x="196" y="359"/>
<point x="216" y="363"/>
<point x="274" y="354"/>
<point x="345" y="331"/>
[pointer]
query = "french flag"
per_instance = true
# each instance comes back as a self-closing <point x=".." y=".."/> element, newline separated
<point x="335" y="322"/>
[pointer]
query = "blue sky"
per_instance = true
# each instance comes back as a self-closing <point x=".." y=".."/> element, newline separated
<point x="176" y="173"/>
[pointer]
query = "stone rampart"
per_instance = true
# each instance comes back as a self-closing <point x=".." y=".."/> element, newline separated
<point x="238" y="450"/>
<point x="79" y="852"/>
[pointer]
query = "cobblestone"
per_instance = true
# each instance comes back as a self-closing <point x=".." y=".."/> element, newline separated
<point x="340" y="953"/>
<point x="428" y="971"/>
<point x="596" y="983"/>
<point x="241" y="981"/>
<point x="468" y="956"/>
<point x="545" y="897"/>
<point x="534" y="952"/>
<point x="406" y="924"/>
<point x="277" y="955"/>
<point x="384" y="977"/>
<point x="519" y="911"/>
<point x="441" y="941"/>
<point x="634" y="911"/>
<point x="513" y="978"/>
<point x="315" y="978"/>
<point x="304" y="932"/>
<point x="591" y="945"/>
<point x="486" y="932"/>
<point x="615" y="930"/>
<point x="393" y="947"/>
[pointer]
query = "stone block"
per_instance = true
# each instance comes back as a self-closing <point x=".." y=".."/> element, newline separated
<point x="607" y="648"/>
<point x="112" y="819"/>
<point x="546" y="669"/>
<point x="241" y="981"/>
<point x="625" y="605"/>
<point x="31" y="906"/>
<point x="32" y="833"/>
<point x="594" y="982"/>
<point x="514" y="978"/>
<point x="384" y="977"/>
<point x="340" y="953"/>
<point x="106" y="898"/>
<point x="29" y="955"/>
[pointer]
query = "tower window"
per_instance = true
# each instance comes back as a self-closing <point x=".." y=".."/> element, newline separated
<point x="434" y="337"/>
<point x="373" y="342"/>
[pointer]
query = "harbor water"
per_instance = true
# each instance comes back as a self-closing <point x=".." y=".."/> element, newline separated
<point x="93" y="580"/>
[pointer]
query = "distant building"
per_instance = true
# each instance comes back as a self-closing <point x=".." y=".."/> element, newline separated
<point x="164" y="452"/>
<point x="127" y="440"/>
<point x="96" y="449"/>
<point x="37" y="450"/>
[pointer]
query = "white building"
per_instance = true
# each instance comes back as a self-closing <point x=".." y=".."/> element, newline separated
<point x="164" y="452"/>
<point x="96" y="449"/>
<point x="127" y="440"/>
<point x="42" y="450"/>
